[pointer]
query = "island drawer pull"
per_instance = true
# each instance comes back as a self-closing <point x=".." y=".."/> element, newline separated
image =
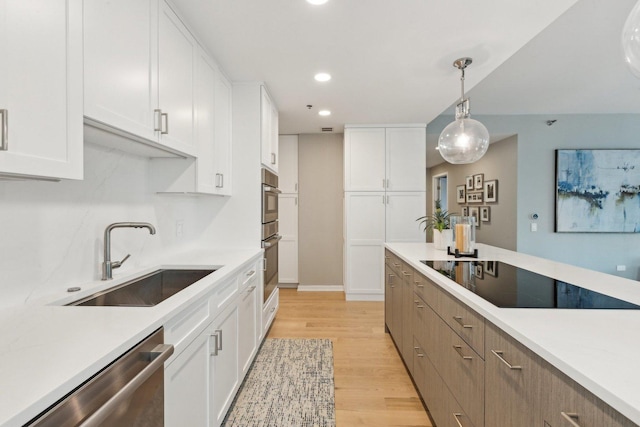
<point x="570" y="416"/>
<point x="417" y="349"/>
<point x="458" y="349"/>
<point x="461" y="323"/>
<point x="499" y="354"/>
<point x="457" y="416"/>
<point x="404" y="273"/>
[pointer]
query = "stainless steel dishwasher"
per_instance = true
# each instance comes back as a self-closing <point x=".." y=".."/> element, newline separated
<point x="128" y="392"/>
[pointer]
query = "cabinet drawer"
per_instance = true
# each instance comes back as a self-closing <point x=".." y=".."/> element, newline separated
<point x="223" y="293"/>
<point x="569" y="404"/>
<point x="425" y="289"/>
<point x="183" y="328"/>
<point x="468" y="324"/>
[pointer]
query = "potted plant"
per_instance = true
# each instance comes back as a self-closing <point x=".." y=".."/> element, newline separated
<point x="440" y="223"/>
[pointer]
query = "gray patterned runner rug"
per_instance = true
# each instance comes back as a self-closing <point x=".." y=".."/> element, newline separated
<point x="289" y="385"/>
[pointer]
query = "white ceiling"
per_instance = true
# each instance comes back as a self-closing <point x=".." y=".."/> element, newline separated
<point x="391" y="60"/>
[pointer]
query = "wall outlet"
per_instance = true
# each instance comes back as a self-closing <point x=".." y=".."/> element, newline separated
<point x="179" y="228"/>
<point x="621" y="268"/>
<point x="534" y="227"/>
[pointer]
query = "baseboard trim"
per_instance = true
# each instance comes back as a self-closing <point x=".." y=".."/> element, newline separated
<point x="320" y="288"/>
<point x="364" y="297"/>
<point x="287" y="285"/>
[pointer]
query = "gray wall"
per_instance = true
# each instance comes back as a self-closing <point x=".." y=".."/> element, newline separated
<point x="320" y="224"/>
<point x="498" y="163"/>
<point x="537" y="143"/>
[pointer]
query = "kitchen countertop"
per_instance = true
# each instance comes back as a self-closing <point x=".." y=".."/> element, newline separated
<point x="49" y="349"/>
<point x="596" y="348"/>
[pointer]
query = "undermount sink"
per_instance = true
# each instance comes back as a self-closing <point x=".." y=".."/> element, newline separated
<point x="145" y="291"/>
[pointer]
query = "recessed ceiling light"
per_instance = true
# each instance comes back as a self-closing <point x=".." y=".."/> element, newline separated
<point x="317" y="2"/>
<point x="322" y="77"/>
<point x="324" y="112"/>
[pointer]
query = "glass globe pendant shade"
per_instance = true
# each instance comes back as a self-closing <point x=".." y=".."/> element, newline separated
<point x="631" y="40"/>
<point x="463" y="141"/>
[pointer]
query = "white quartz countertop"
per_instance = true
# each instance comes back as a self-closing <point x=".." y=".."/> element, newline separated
<point x="596" y="348"/>
<point x="47" y="349"/>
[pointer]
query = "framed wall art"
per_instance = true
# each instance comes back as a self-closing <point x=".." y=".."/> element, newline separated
<point x="474" y="211"/>
<point x="491" y="191"/>
<point x="597" y="191"/>
<point x="491" y="268"/>
<point x="485" y="213"/>
<point x="469" y="182"/>
<point x="465" y="211"/>
<point x="477" y="181"/>
<point x="460" y="194"/>
<point x="474" y="197"/>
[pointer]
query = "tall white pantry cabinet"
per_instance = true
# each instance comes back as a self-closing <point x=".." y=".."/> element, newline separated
<point x="385" y="192"/>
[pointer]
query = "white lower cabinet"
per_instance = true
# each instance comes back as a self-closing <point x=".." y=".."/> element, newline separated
<point x="224" y="373"/>
<point x="249" y="306"/>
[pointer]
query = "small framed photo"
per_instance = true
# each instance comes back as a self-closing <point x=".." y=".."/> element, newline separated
<point x="491" y="268"/>
<point x="478" y="181"/>
<point x="474" y="197"/>
<point x="485" y="214"/>
<point x="474" y="211"/>
<point x="469" y="180"/>
<point x="460" y="194"/>
<point x="465" y="211"/>
<point x="491" y="191"/>
<point x="479" y="273"/>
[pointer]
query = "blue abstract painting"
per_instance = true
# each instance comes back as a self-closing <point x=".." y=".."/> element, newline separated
<point x="598" y="191"/>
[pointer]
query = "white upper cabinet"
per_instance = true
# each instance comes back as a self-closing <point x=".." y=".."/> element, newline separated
<point x="385" y="159"/>
<point x="139" y="62"/>
<point x="222" y="135"/>
<point x="268" y="131"/>
<point x="288" y="164"/>
<point x="406" y="157"/>
<point x="364" y="159"/>
<point x="41" y="89"/>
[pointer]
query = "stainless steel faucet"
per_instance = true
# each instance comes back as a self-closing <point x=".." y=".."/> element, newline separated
<point x="108" y="265"/>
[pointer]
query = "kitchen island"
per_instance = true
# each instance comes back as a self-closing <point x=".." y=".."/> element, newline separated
<point x="48" y="348"/>
<point x="595" y="348"/>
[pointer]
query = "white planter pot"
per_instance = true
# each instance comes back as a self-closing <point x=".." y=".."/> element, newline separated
<point x="442" y="239"/>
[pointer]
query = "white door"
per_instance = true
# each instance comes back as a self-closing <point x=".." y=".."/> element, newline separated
<point x="176" y="74"/>
<point x="364" y="248"/>
<point x="120" y="64"/>
<point x="186" y="385"/>
<point x="364" y="159"/>
<point x="224" y="372"/>
<point x="288" y="164"/>
<point x="288" y="245"/>
<point x="41" y="88"/>
<point x="402" y="210"/>
<point x="406" y="159"/>
<point x="222" y="139"/>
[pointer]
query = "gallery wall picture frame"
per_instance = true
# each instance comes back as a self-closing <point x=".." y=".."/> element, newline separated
<point x="491" y="268"/>
<point x="479" y="271"/>
<point x="597" y="191"/>
<point x="460" y="194"/>
<point x="474" y="211"/>
<point x="478" y="180"/>
<point x="465" y="211"/>
<point x="491" y="191"/>
<point x="485" y="213"/>
<point x="475" y="197"/>
<point x="469" y="182"/>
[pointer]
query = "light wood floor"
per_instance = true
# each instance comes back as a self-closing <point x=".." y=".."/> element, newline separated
<point x="372" y="386"/>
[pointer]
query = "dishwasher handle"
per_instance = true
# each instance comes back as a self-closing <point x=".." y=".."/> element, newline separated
<point x="159" y="354"/>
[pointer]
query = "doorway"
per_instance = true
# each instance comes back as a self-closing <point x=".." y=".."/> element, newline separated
<point x="440" y="191"/>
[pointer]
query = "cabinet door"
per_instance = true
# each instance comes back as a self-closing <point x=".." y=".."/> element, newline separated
<point x="205" y="124"/>
<point x="402" y="210"/>
<point x="406" y="161"/>
<point x="389" y="284"/>
<point x="266" y="133"/>
<point x="275" y="159"/>
<point x="41" y="88"/>
<point x="364" y="243"/>
<point x="288" y="246"/>
<point x="224" y="372"/>
<point x="407" y="318"/>
<point x="222" y="135"/>
<point x="186" y="385"/>
<point x="568" y="404"/>
<point x="513" y="382"/>
<point x="288" y="164"/>
<point x="120" y="64"/>
<point x="176" y="73"/>
<point x="364" y="159"/>
<point x="247" y="321"/>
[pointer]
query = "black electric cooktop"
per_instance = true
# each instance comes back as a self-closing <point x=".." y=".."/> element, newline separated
<point x="507" y="286"/>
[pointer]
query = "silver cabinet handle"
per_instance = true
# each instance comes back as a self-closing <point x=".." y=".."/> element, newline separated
<point x="272" y="310"/>
<point x="219" y="180"/>
<point x="457" y="416"/>
<point x="251" y="289"/>
<point x="157" y="120"/>
<point x="404" y="273"/>
<point x="458" y="349"/>
<point x="417" y="349"/>
<point x="215" y="344"/>
<point x="396" y="264"/>
<point x="166" y="123"/>
<point x="461" y="323"/>
<point x="571" y="417"/>
<point x="273" y="158"/>
<point x="219" y="341"/>
<point x="264" y="264"/>
<point x="499" y="354"/>
<point x="159" y="354"/>
<point x="4" y="133"/>
<point x="418" y="304"/>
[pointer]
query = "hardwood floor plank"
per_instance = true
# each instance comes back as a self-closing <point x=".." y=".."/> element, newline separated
<point x="373" y="387"/>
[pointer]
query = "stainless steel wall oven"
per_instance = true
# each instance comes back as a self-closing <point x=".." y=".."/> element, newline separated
<point x="270" y="236"/>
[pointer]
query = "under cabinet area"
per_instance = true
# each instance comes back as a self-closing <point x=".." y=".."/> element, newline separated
<point x="470" y="372"/>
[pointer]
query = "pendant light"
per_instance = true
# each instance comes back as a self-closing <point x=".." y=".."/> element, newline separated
<point x="631" y="40"/>
<point x="464" y="140"/>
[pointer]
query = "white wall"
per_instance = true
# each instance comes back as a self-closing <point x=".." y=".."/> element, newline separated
<point x="537" y="143"/>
